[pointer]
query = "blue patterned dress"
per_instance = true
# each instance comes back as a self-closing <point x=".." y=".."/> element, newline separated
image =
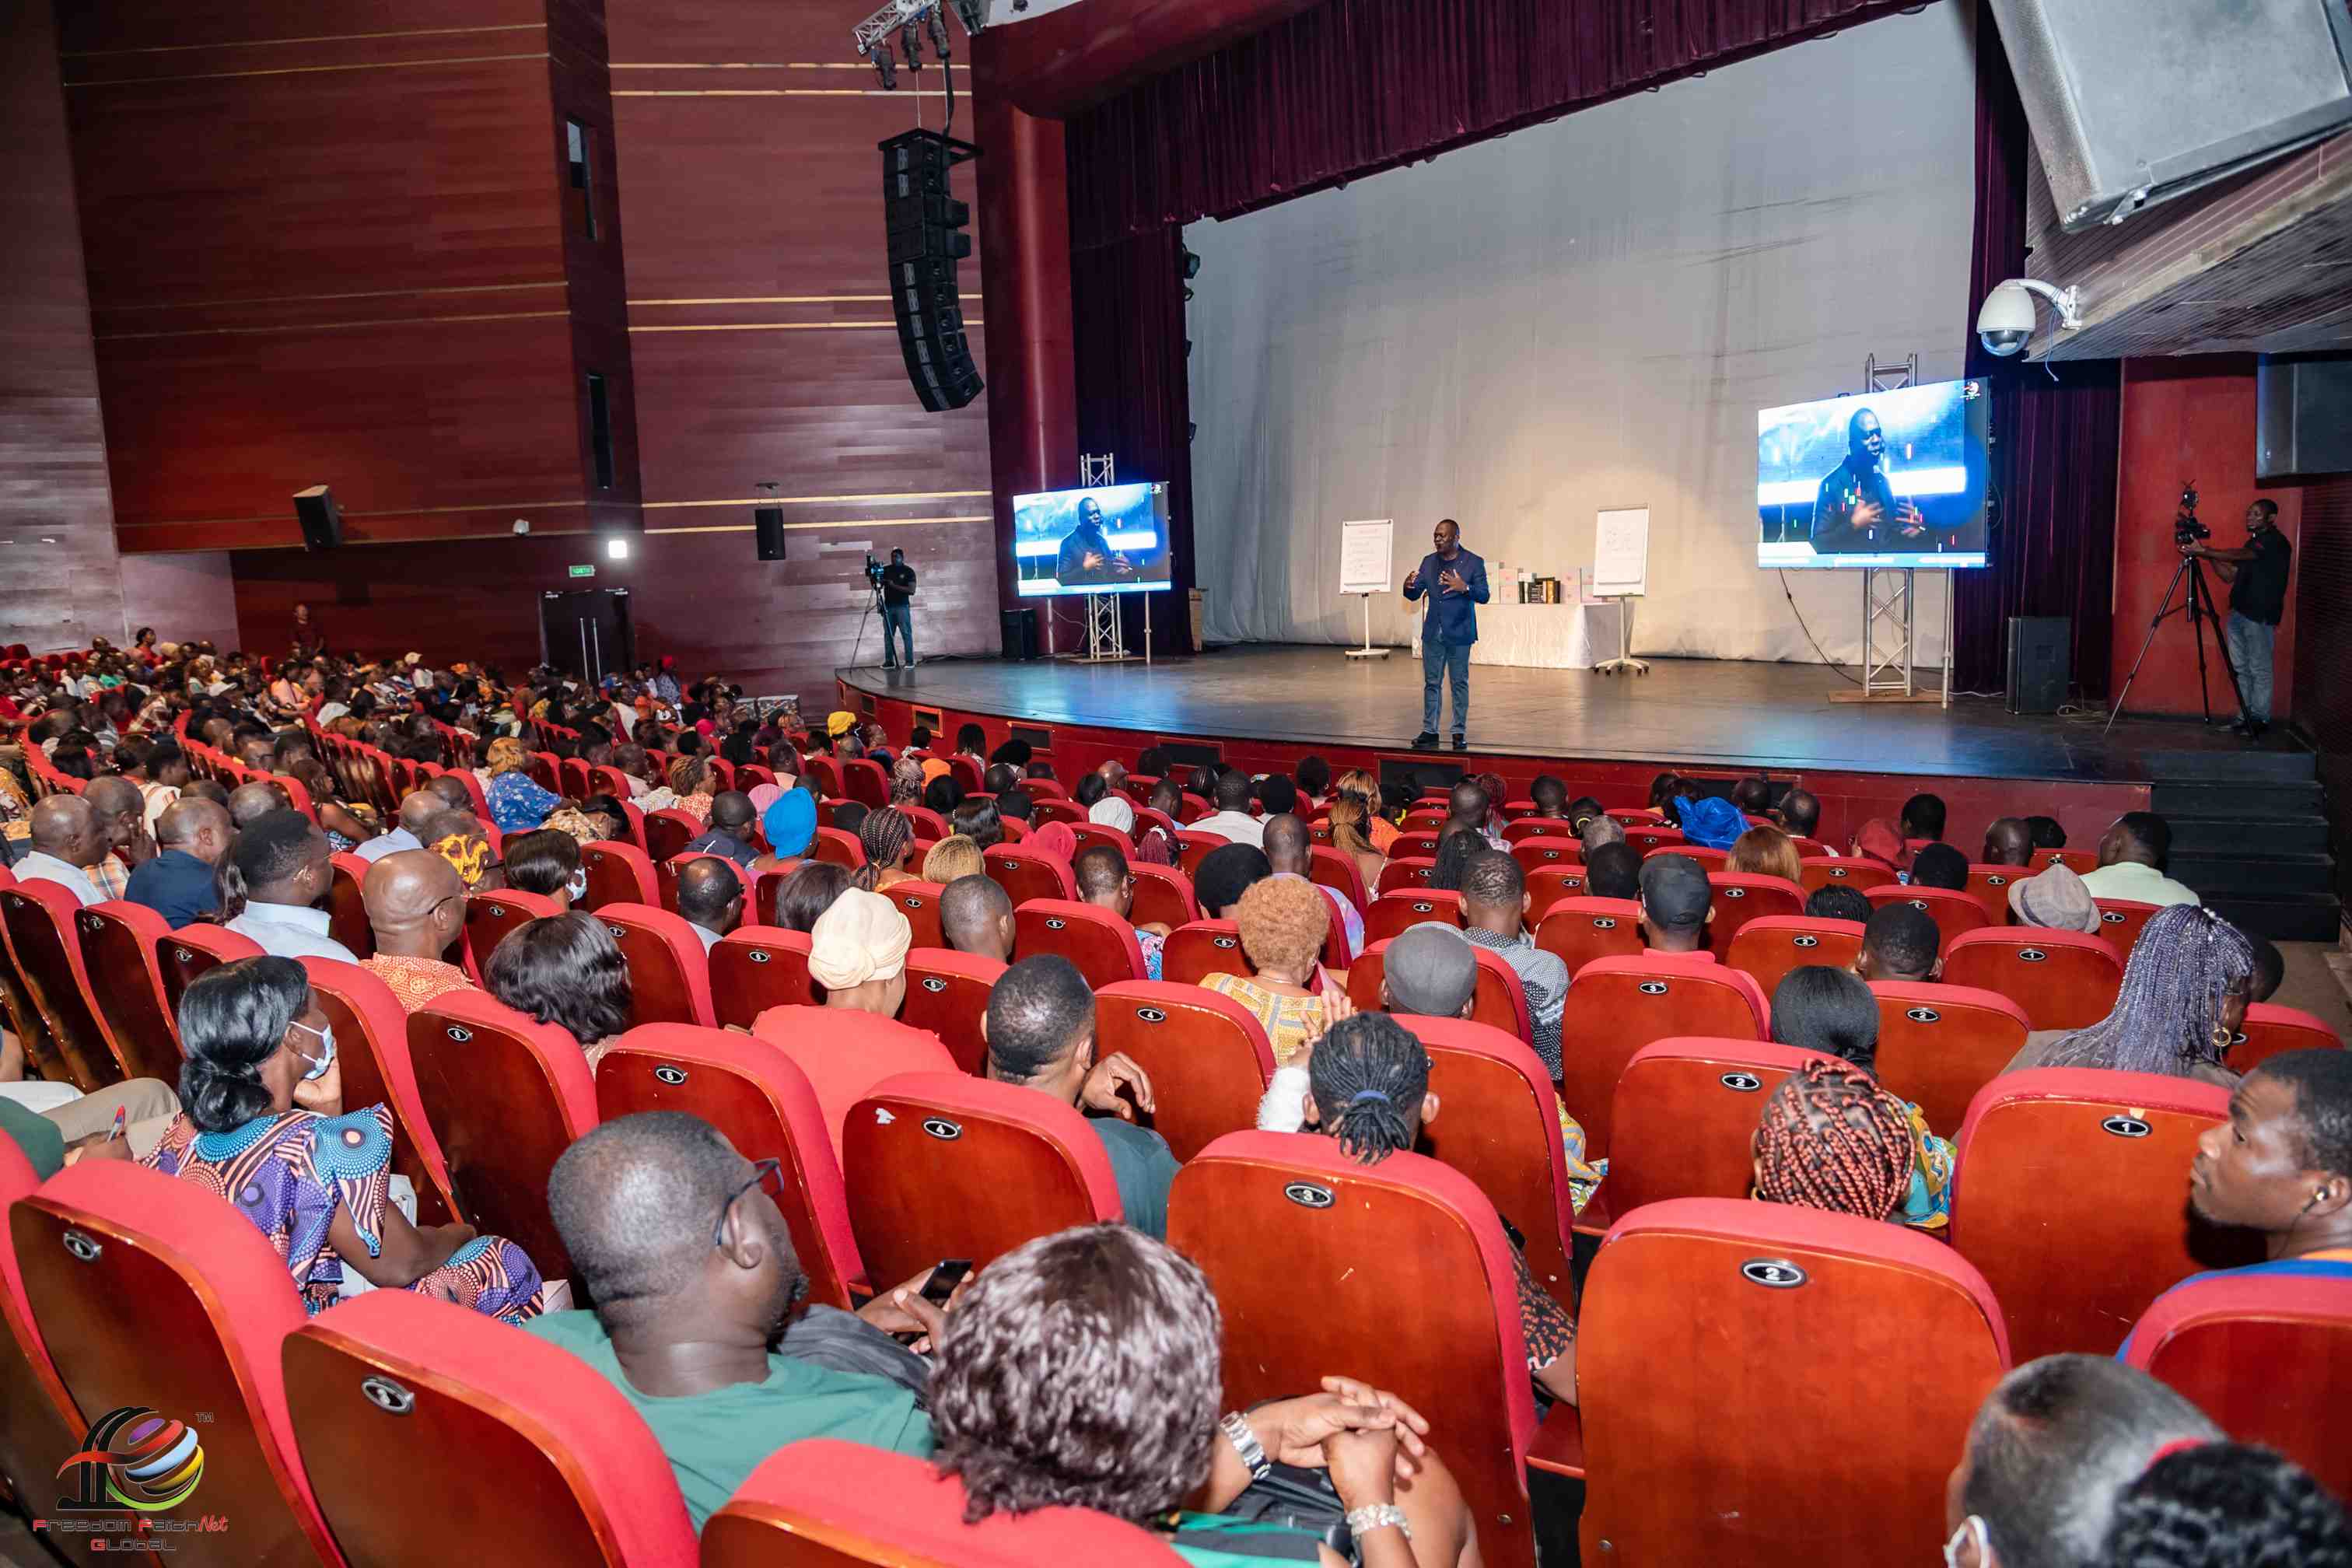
<point x="289" y="1173"/>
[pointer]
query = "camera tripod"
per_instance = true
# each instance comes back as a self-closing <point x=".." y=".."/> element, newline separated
<point x="2199" y="603"/>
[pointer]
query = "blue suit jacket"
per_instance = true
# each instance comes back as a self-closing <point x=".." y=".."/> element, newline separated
<point x="1451" y="617"/>
<point x="175" y="885"/>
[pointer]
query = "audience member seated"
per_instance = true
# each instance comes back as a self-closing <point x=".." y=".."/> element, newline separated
<point x="190" y="837"/>
<point x="1366" y="789"/>
<point x="1800" y="814"/>
<point x="1752" y="795"/>
<point x="2226" y="1505"/>
<point x="808" y="890"/>
<point x="1017" y="804"/>
<point x="1494" y="916"/>
<point x="517" y="803"/>
<point x="978" y="821"/>
<point x="459" y="838"/>
<point x="416" y="807"/>
<point x="265" y="1115"/>
<point x="54" y="1125"/>
<point x="1598" y="831"/>
<point x="849" y="815"/>
<point x="1282" y="922"/>
<point x="1940" y="866"/>
<point x="546" y="861"/>
<point x="1830" y="1138"/>
<point x="1549" y="797"/>
<point x="565" y="970"/>
<point x="1276" y="796"/>
<point x="1899" y="942"/>
<point x="857" y="952"/>
<point x="1000" y="778"/>
<point x="976" y="917"/>
<point x="2184" y="995"/>
<point x="2270" y="967"/>
<point x="1349" y="836"/>
<point x="1837" y="901"/>
<point x="249" y="802"/>
<point x="1115" y="1313"/>
<point x="1105" y="882"/>
<point x="1232" y="820"/>
<point x="2055" y="898"/>
<point x="1612" y="870"/>
<point x="1469" y="807"/>
<point x="2046" y="832"/>
<point x="1881" y="843"/>
<point x="1457" y="846"/>
<point x="2052" y="1447"/>
<point x="1766" y="852"/>
<point x="1225" y="873"/>
<point x="1677" y="904"/>
<point x="2008" y="842"/>
<point x="1817" y="1008"/>
<point x="887" y="838"/>
<point x="677" y="1240"/>
<point x="347" y="824"/>
<point x="2132" y="853"/>
<point x="1289" y="850"/>
<point x="710" y="898"/>
<point x="122" y="817"/>
<point x="951" y="860"/>
<point x="416" y="905"/>
<point x="941" y="793"/>
<point x="1111" y="809"/>
<point x="274" y="885"/>
<point x="1923" y="817"/>
<point x="68" y="839"/>
<point x="789" y="825"/>
<point x="1040" y="1030"/>
<point x="730" y="834"/>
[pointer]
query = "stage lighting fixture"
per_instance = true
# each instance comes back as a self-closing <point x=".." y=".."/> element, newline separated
<point x="884" y="66"/>
<point x="617" y="549"/>
<point x="2005" y="321"/>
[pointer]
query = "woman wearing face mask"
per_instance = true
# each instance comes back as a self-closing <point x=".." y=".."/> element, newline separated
<point x="547" y="862"/>
<point x="264" y="1119"/>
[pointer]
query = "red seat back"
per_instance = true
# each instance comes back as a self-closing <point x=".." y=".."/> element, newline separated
<point x="1411" y="1272"/>
<point x="504" y="1097"/>
<point x="1710" y="1431"/>
<point x="821" y="1503"/>
<point x="2082" y="862"/>
<point x="1524" y="825"/>
<point x="347" y="916"/>
<point x="839" y="845"/>
<point x="1411" y="844"/>
<point x="946" y="993"/>
<point x="617" y="874"/>
<point x="1501" y="1000"/>
<point x="1843" y="871"/>
<point x="1938" y="1045"/>
<point x="372" y="1045"/>
<point x="1955" y="913"/>
<point x="2223" y="1342"/>
<point x="1095" y="836"/>
<point x="153" y="1293"/>
<point x="1406" y="874"/>
<point x="1100" y="944"/>
<point x="767" y="1108"/>
<point x="194" y="949"/>
<point x="669" y="975"/>
<point x="920" y="903"/>
<point x="1990" y="885"/>
<point x="2121" y="920"/>
<point x="863" y="779"/>
<point x="1579" y="931"/>
<point x="2270" y="1029"/>
<point x="1337" y="870"/>
<point x="1547" y="885"/>
<point x="1617" y="1005"/>
<point x="1394" y="914"/>
<point x="37" y="921"/>
<point x="491" y="918"/>
<point x="118" y="953"/>
<point x="1201" y="948"/>
<point x="943" y="1164"/>
<point x="1163" y="895"/>
<point x="755" y="968"/>
<point x="2068" y="1191"/>
<point x="2063" y="979"/>
<point x="1499" y="1125"/>
<point x="1026" y="874"/>
<point x="824" y="771"/>
<point x="1534" y="853"/>
<point x="38" y="1422"/>
<point x="1683" y="1116"/>
<point x="668" y="832"/>
<point x="1767" y="948"/>
<point x="1739" y="897"/>
<point x="1649" y="840"/>
<point x="1205" y="1054"/>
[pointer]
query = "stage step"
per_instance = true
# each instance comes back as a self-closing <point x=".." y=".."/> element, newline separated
<point x="2178" y="802"/>
<point x="2308" y="916"/>
<point x="2249" y="766"/>
<point x="2246" y="875"/>
<point x="2249" y="833"/>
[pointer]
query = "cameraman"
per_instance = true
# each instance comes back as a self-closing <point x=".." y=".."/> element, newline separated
<point x="897" y="580"/>
<point x="2256" y="573"/>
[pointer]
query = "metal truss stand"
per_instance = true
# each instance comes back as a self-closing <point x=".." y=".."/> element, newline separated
<point x="1890" y="633"/>
<point x="1106" y="628"/>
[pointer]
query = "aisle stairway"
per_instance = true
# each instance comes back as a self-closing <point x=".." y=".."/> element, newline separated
<point x="2249" y="833"/>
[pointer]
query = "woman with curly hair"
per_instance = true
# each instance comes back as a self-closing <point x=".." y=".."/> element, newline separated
<point x="2226" y="1505"/>
<point x="1283" y="923"/>
<point x="692" y="784"/>
<point x="565" y="970"/>
<point x="2184" y="995"/>
<point x="1767" y="852"/>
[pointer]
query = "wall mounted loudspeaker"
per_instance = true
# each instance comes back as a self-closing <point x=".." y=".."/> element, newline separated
<point x="769" y="522"/>
<point x="925" y="228"/>
<point x="321" y="520"/>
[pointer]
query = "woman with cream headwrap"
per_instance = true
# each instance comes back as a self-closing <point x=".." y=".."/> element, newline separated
<point x="857" y="952"/>
<point x="1112" y="811"/>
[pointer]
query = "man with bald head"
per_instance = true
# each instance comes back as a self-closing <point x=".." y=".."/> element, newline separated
<point x="249" y="802"/>
<point x="2009" y="842"/>
<point x="976" y="917"/>
<point x="416" y="904"/>
<point x="452" y="790"/>
<point x="709" y="897"/>
<point x="1290" y="850"/>
<point x="122" y="809"/>
<point x="69" y="837"/>
<point x="190" y="835"/>
<point x="416" y="808"/>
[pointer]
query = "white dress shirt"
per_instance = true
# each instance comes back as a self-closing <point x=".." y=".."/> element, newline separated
<point x="710" y="938"/>
<point x="291" y="930"/>
<point x="375" y="849"/>
<point x="1233" y="826"/>
<point x="2145" y="884"/>
<point x="40" y="867"/>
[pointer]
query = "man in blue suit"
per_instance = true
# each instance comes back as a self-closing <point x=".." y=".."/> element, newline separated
<point x="1455" y="581"/>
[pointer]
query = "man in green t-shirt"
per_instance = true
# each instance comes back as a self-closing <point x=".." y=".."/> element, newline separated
<point x="676" y="1239"/>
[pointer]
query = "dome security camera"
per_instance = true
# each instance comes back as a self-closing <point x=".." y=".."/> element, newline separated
<point x="2005" y="321"/>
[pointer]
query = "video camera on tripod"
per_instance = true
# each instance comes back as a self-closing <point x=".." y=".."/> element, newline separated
<point x="2186" y="528"/>
<point x="2195" y="600"/>
<point x="874" y="571"/>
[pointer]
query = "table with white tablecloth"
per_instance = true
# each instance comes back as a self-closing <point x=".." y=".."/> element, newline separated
<point x="1543" y="637"/>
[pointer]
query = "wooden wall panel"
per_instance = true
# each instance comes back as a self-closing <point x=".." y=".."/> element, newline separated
<point x="58" y="586"/>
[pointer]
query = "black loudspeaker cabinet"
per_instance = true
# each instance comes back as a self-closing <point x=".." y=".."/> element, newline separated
<point x="1019" y="632"/>
<point x="769" y="522"/>
<point x="321" y="520"/>
<point x="2041" y="662"/>
<point x="924" y="225"/>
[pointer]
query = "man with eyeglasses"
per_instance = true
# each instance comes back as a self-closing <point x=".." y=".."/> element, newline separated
<point x="701" y="1309"/>
<point x="416" y="903"/>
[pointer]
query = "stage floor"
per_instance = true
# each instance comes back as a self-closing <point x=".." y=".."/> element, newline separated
<point x="1685" y="712"/>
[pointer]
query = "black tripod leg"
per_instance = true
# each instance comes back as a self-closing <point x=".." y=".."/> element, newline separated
<point x="2203" y="592"/>
<point x="2164" y="607"/>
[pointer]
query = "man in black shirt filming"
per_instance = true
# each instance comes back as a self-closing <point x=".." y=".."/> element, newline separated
<point x="2256" y="573"/>
<point x="897" y="610"/>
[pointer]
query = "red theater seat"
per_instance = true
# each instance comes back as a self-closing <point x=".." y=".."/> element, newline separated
<point x="1201" y="948"/>
<point x="1738" y="897"/>
<point x="755" y="968"/>
<point x="194" y="949"/>
<point x="1577" y="930"/>
<point x="347" y="916"/>
<point x="1843" y="871"/>
<point x="500" y="1436"/>
<point x="1205" y="1054"/>
<point x="1026" y="874"/>
<point x="1990" y="885"/>
<point x="767" y="887"/>
<point x="767" y="1108"/>
<point x="2121" y="921"/>
<point x="1095" y="836"/>
<point x="1648" y="840"/>
<point x="491" y="918"/>
<point x="372" y="1045"/>
<point x="117" y="942"/>
<point x="2266" y="1356"/>
<point x="920" y="903"/>
<point x="1956" y="914"/>
<point x="1767" y="948"/>
<point x="1617" y="1005"/>
<point x="37" y="921"/>
<point x="1938" y="1045"/>
<point x="149" y="1291"/>
<point x="946" y="993"/>
<point x="1406" y="873"/>
<point x="942" y="1165"/>
<point x="838" y="845"/>
<point x="1163" y="895"/>
<point x="1534" y="853"/>
<point x="1711" y="1435"/>
<point x="2082" y="862"/>
<point x="2068" y="1191"/>
<point x="1046" y="808"/>
<point x="1394" y="914"/>
<point x="668" y="832"/>
<point x="669" y="974"/>
<point x="843" y="1054"/>
<point x="1409" y="1272"/>
<point x="1332" y="868"/>
<point x="1101" y="946"/>
<point x="1682" y="1118"/>
<point x="1547" y="885"/>
<point x="2270" y="1029"/>
<point x="1501" y="1000"/>
<point x="826" y="1504"/>
<point x="2063" y="979"/>
<point x="1524" y="826"/>
<point x="38" y="1423"/>
<point x="1708" y="859"/>
<point x="1499" y="1125"/>
<point x="617" y="874"/>
<point x="863" y="779"/>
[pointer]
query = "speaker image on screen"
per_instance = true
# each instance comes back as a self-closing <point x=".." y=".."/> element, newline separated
<point x="321" y="520"/>
<point x="2041" y="662"/>
<point x="924" y="225"/>
<point x="769" y="522"/>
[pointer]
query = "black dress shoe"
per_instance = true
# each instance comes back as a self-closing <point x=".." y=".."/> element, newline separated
<point x="2256" y="729"/>
<point x="1461" y="742"/>
<point x="1426" y="742"/>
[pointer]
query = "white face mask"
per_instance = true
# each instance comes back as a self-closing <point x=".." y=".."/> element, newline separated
<point x="578" y="887"/>
<point x="326" y="1057"/>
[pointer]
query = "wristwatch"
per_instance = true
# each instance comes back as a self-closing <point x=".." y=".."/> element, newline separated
<point x="1377" y="1516"/>
<point x="1245" y="1441"/>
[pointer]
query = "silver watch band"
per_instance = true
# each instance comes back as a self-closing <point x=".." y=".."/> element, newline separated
<point x="1245" y="1441"/>
<point x="1377" y="1516"/>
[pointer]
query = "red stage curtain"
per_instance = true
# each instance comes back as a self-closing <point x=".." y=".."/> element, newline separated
<point x="2054" y="441"/>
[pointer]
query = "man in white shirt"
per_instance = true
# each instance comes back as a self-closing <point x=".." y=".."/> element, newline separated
<point x="710" y="898"/>
<point x="1232" y="820"/>
<point x="69" y="837"/>
<point x="418" y="807"/>
<point x="280" y="868"/>
<point x="2132" y="854"/>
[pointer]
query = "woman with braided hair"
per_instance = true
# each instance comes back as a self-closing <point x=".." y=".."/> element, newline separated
<point x="2184" y="995"/>
<point x="1818" y="1008"/>
<point x="1830" y="1138"/>
<point x="887" y="837"/>
<point x="1368" y="1086"/>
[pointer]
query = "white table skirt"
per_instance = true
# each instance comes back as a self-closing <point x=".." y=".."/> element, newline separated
<point x="1543" y="637"/>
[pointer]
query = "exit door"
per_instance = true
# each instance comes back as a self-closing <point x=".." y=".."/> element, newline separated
<point x="585" y="633"/>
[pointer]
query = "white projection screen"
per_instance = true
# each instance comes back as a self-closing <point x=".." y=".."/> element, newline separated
<point x="1583" y="315"/>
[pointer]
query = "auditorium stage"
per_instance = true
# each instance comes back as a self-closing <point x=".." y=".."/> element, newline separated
<point x="1698" y="713"/>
